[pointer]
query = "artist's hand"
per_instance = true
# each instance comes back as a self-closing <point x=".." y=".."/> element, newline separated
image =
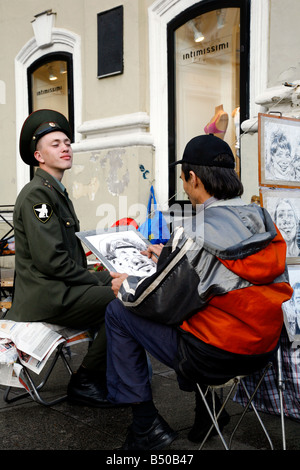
<point x="153" y="252"/>
<point x="117" y="281"/>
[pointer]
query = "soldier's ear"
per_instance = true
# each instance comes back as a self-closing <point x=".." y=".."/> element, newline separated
<point x="38" y="156"/>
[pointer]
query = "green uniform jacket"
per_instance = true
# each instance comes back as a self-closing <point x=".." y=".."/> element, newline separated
<point x="51" y="268"/>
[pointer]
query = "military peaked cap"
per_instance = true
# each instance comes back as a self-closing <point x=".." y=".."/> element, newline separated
<point x="38" y="124"/>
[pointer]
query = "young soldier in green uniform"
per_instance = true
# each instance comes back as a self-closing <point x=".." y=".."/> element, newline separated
<point x="52" y="283"/>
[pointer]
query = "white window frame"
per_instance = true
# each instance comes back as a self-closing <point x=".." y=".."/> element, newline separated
<point x="61" y="41"/>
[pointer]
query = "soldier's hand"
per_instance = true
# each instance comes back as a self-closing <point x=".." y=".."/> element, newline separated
<point x="117" y="281"/>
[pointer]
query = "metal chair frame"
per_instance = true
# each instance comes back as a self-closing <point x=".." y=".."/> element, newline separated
<point x="212" y="412"/>
<point x="34" y="391"/>
<point x="281" y="387"/>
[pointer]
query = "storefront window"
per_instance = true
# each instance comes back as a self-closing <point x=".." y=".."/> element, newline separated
<point x="49" y="84"/>
<point x="206" y="82"/>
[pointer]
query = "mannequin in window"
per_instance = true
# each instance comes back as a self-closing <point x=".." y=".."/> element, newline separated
<point x="218" y="123"/>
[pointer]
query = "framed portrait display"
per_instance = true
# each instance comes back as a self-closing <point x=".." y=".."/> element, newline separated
<point x="284" y="208"/>
<point x="119" y="250"/>
<point x="279" y="151"/>
<point x="291" y="308"/>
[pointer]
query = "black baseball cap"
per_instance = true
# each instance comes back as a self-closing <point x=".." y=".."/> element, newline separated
<point x="38" y="124"/>
<point x="203" y="150"/>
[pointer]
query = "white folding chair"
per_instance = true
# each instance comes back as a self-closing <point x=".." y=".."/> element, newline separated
<point x="232" y="384"/>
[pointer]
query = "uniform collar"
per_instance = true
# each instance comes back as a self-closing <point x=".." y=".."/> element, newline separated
<point x="50" y="179"/>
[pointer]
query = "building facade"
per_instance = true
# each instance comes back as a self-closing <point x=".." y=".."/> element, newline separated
<point x="138" y="79"/>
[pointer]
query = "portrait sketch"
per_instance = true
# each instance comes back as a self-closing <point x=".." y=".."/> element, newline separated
<point x="284" y="208"/>
<point x="291" y="309"/>
<point x="119" y="249"/>
<point x="279" y="151"/>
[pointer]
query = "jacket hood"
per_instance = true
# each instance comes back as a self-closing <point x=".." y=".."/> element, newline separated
<point x="245" y="239"/>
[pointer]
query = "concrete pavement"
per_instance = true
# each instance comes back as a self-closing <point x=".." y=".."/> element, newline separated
<point x="26" y="425"/>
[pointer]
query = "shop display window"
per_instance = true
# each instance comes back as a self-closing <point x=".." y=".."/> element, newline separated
<point x="50" y="86"/>
<point x="204" y="88"/>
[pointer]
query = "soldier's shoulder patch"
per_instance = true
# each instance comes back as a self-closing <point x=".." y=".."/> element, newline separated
<point x="43" y="211"/>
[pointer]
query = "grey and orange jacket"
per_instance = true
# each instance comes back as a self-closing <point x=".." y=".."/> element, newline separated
<point x="221" y="277"/>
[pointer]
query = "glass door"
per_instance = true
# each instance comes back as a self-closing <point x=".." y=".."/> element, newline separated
<point x="205" y="84"/>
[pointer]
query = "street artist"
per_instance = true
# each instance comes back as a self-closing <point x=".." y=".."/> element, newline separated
<point x="213" y="308"/>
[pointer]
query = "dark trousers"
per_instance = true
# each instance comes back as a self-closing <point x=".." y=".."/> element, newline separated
<point x="89" y="313"/>
<point x="128" y="336"/>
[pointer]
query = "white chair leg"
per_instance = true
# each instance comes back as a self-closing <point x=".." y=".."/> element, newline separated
<point x="214" y="417"/>
<point x="281" y="388"/>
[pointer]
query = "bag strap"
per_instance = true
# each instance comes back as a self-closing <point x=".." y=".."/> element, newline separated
<point x="152" y="196"/>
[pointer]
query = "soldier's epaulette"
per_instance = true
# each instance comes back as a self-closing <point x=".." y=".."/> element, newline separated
<point x="46" y="183"/>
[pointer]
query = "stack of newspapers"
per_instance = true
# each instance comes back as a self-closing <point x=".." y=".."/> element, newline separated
<point x="30" y="345"/>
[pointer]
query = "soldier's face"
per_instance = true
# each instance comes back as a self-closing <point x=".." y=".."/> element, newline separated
<point x="54" y="152"/>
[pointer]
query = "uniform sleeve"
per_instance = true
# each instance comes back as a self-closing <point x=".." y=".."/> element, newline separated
<point x="46" y="242"/>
